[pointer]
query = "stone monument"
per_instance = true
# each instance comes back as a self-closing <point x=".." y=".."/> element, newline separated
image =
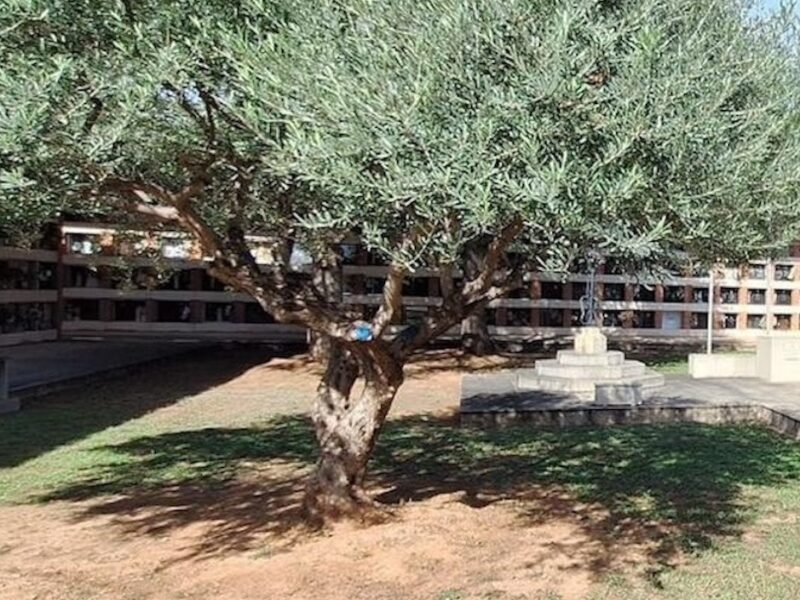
<point x="590" y="372"/>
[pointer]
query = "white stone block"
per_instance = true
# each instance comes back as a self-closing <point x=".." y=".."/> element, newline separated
<point x="590" y="340"/>
<point x="778" y="359"/>
<point x="629" y="394"/>
<point x="612" y="358"/>
<point x="703" y="366"/>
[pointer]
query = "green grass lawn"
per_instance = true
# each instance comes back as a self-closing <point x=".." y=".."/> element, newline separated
<point x="671" y="363"/>
<point x="701" y="488"/>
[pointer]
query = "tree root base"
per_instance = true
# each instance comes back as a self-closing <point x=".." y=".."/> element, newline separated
<point x="324" y="508"/>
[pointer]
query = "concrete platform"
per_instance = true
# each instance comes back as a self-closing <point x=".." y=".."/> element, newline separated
<point x="591" y="373"/>
<point x="36" y="369"/>
<point x="495" y="399"/>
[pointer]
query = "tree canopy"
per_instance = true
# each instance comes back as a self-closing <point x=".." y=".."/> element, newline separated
<point x="637" y="126"/>
<point x="424" y="129"/>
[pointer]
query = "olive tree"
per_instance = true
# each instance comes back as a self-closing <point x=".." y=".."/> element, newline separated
<point x="479" y="138"/>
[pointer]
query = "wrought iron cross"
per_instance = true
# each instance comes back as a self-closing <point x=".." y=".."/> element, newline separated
<point x="589" y="302"/>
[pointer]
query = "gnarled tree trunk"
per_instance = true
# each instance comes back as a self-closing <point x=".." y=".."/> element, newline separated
<point x="326" y="276"/>
<point x="347" y="428"/>
<point x="319" y="347"/>
<point x="475" y="338"/>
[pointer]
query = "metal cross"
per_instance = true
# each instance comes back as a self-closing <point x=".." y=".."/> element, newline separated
<point x="589" y="302"/>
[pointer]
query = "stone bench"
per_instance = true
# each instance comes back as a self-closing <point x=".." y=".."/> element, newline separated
<point x="7" y="404"/>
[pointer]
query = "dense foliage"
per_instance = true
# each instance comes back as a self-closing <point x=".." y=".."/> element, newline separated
<point x="439" y="133"/>
<point x="640" y="126"/>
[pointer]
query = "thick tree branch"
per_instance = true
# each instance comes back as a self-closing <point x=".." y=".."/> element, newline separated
<point x="226" y="115"/>
<point x="205" y="122"/>
<point x="446" y="282"/>
<point x="232" y="260"/>
<point x="494" y="255"/>
<point x="130" y="15"/>
<point x="513" y="282"/>
<point x="392" y="299"/>
<point x="94" y="114"/>
<point x="489" y="285"/>
<point x="163" y="214"/>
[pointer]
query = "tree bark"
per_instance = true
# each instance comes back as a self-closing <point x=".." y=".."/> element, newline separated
<point x="475" y="337"/>
<point x="346" y="429"/>
<point x="329" y="283"/>
<point x="319" y="347"/>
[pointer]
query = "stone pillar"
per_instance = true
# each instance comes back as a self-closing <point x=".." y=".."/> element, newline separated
<point x="741" y="317"/>
<point x="32" y="275"/>
<point x="433" y="287"/>
<point x="239" y="312"/>
<point x="688" y="301"/>
<point x="197" y="310"/>
<point x="795" y="302"/>
<point x="535" y="293"/>
<point x="715" y="298"/>
<point x="629" y="314"/>
<point x="61" y="282"/>
<point x="151" y="310"/>
<point x="630" y="292"/>
<point x="106" y="310"/>
<point x="502" y="316"/>
<point x="6" y="403"/>
<point x="796" y="293"/>
<point x="658" y="296"/>
<point x="566" y="316"/>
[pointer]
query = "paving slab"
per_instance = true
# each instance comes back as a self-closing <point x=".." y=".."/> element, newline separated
<point x="494" y="398"/>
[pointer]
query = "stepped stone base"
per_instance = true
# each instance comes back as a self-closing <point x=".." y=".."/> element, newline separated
<point x="591" y="373"/>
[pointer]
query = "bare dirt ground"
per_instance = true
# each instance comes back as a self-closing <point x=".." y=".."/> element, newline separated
<point x="439" y="549"/>
<point x="245" y="539"/>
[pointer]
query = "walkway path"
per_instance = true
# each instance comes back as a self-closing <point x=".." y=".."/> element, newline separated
<point x="36" y="367"/>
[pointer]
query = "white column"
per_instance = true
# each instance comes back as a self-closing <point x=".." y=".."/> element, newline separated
<point x="710" y="324"/>
<point x="770" y="272"/>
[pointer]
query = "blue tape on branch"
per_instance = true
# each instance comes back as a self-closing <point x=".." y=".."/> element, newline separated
<point x="363" y="333"/>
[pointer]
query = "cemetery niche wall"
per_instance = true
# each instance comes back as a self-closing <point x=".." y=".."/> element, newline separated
<point x="78" y="289"/>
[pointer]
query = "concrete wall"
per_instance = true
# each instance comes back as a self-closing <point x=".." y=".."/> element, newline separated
<point x="703" y="366"/>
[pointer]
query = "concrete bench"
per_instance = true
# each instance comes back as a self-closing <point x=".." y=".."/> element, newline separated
<point x="7" y="404"/>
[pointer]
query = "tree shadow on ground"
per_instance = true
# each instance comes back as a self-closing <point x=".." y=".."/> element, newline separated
<point x="422" y="364"/>
<point x="71" y="415"/>
<point x="450" y="360"/>
<point x="672" y="488"/>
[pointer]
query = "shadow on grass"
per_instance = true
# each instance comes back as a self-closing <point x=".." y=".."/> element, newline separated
<point x="67" y="416"/>
<point x="674" y="488"/>
<point x="455" y="360"/>
<point x="668" y="363"/>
